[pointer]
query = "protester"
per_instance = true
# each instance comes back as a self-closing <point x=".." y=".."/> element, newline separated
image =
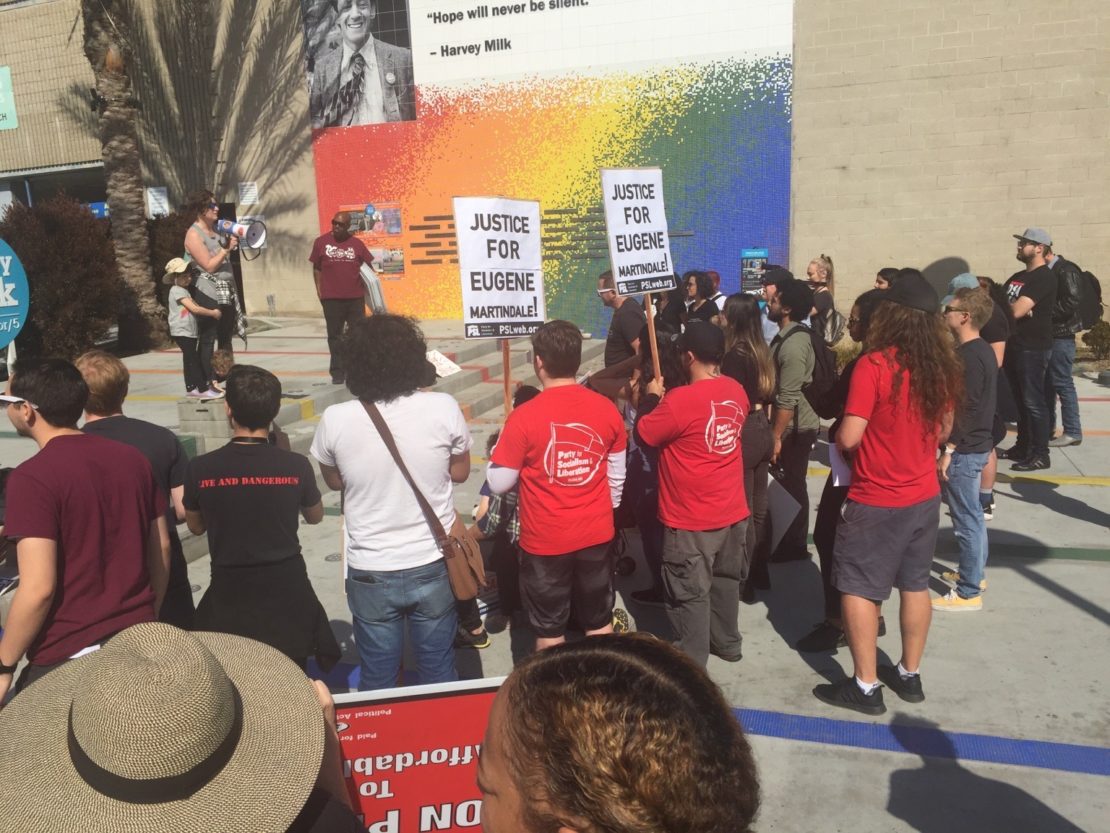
<point x="1066" y="322"/>
<point x="701" y="495"/>
<point x="89" y="522"/>
<point x="205" y="247"/>
<point x="828" y="635"/>
<point x="968" y="447"/>
<point x="899" y="409"/>
<point x="623" y="341"/>
<point x="886" y="278"/>
<point x="183" y="314"/>
<point x="794" y="423"/>
<point x="642" y="483"/>
<point x="175" y="732"/>
<point x="825" y="321"/>
<point x="621" y="734"/>
<point x="566" y="448"/>
<point x="336" y="259"/>
<point x="699" y="291"/>
<point x="247" y="496"/>
<point x="396" y="574"/>
<point x="1032" y="296"/>
<point x="671" y="307"/>
<point x="717" y="297"/>
<point x="748" y="360"/>
<point x="108" y="381"/>
<point x="774" y="280"/>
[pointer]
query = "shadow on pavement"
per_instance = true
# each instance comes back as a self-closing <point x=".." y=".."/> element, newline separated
<point x="795" y="604"/>
<point x="942" y="796"/>
<point x="1041" y="493"/>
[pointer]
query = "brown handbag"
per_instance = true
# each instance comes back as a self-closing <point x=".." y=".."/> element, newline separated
<point x="460" y="551"/>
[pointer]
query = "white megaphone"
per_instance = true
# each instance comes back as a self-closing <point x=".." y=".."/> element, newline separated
<point x="251" y="234"/>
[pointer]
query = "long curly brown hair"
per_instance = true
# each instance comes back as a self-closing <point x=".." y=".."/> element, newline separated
<point x="924" y="348"/>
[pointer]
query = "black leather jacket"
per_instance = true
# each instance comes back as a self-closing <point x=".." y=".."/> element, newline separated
<point x="1065" y="313"/>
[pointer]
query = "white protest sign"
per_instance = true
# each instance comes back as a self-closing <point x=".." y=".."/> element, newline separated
<point x="500" y="265"/>
<point x="636" y="225"/>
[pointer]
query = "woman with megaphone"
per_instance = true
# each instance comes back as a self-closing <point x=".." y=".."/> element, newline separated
<point x="208" y="249"/>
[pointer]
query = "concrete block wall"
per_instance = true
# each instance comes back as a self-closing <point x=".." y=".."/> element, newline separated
<point x="927" y="132"/>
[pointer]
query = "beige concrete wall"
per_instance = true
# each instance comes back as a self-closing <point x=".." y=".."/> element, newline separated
<point x="51" y="80"/>
<point x="934" y="129"/>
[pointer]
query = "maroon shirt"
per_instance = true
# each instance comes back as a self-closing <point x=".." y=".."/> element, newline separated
<point x="339" y="264"/>
<point x="97" y="499"/>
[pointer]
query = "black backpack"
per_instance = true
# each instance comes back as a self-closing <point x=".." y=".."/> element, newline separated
<point x="819" y="390"/>
<point x="1090" y="300"/>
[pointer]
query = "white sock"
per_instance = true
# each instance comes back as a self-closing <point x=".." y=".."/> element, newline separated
<point x="866" y="688"/>
<point x="904" y="674"/>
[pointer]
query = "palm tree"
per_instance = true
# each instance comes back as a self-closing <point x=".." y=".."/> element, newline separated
<point x="107" y="46"/>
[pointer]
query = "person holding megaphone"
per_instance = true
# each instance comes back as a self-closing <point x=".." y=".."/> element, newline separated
<point x="211" y="251"/>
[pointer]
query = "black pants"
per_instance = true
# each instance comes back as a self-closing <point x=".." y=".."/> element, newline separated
<point x="190" y="364"/>
<point x="206" y="344"/>
<point x="338" y="313"/>
<point x="794" y="460"/>
<point x="824" y="536"/>
<point x="1025" y="370"/>
<point x="506" y="565"/>
<point x="756" y="444"/>
<point x="225" y="327"/>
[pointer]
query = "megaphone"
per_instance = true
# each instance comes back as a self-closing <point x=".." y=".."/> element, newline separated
<point x="251" y="234"/>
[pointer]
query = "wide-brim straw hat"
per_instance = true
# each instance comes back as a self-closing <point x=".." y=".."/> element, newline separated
<point x="179" y="732"/>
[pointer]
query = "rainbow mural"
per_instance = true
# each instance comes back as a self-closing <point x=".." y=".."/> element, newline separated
<point x="719" y="129"/>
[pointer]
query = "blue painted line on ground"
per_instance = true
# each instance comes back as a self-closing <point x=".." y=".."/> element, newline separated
<point x="880" y="737"/>
<point x="927" y="741"/>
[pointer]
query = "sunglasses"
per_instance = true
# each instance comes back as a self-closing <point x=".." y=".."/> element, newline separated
<point x="215" y="205"/>
<point x="603" y="292"/>
<point x="15" y="400"/>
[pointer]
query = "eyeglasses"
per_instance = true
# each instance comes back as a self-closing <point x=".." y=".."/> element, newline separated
<point x="949" y="309"/>
<point x="854" y="321"/>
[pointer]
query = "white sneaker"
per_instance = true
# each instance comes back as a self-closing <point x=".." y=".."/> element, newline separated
<point x="210" y="395"/>
<point x="193" y="394"/>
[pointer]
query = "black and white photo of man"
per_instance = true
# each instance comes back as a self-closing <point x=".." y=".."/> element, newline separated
<point x="360" y="79"/>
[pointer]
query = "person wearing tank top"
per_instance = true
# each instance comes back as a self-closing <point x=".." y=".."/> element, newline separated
<point x="204" y="246"/>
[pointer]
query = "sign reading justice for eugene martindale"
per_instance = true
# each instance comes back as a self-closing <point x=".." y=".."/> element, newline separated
<point x="636" y="224"/>
<point x="500" y="265"/>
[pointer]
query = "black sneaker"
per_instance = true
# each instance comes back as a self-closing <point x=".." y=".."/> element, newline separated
<point x="734" y="657"/>
<point x="652" y="596"/>
<point x="466" y="639"/>
<point x="908" y="688"/>
<point x="1034" y="463"/>
<point x="847" y="695"/>
<point x="1013" y="453"/>
<point x="824" y="637"/>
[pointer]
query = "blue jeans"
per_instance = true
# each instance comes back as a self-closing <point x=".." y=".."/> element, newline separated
<point x="965" y="473"/>
<point x="1059" y="383"/>
<point x="382" y="602"/>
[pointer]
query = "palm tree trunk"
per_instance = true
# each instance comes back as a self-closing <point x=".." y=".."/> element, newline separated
<point x="142" y="319"/>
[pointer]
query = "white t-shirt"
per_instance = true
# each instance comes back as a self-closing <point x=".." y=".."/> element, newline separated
<point x="385" y="529"/>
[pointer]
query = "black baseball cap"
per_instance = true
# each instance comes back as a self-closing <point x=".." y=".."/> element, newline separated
<point x="777" y="276"/>
<point x="704" y="339"/>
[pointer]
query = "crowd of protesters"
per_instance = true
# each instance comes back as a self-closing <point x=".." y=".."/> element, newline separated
<point x="686" y="442"/>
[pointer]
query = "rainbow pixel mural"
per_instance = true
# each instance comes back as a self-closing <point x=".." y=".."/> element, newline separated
<point x="548" y="94"/>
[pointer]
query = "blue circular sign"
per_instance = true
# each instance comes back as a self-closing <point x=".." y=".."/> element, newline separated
<point x="15" y="297"/>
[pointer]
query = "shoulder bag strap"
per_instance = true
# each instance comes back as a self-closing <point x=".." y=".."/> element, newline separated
<point x="387" y="437"/>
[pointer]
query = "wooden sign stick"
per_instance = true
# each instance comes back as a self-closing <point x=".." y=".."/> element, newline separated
<point x="650" y="312"/>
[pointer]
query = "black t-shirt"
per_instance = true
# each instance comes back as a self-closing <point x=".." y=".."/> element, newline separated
<point x="250" y="496"/>
<point x="628" y="320"/>
<point x="971" y="433"/>
<point x="1033" y="331"/>
<point x="706" y="312"/>
<point x="998" y="327"/>
<point x="744" y="369"/>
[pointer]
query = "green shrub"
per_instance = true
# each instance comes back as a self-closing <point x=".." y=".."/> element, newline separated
<point x="71" y="272"/>
<point x="1098" y="339"/>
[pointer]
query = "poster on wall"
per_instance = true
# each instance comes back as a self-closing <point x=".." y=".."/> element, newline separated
<point x="534" y="98"/>
<point x="500" y="266"/>
<point x="8" y="118"/>
<point x="636" y="224"/>
<point x="752" y="264"/>
<point x="378" y="226"/>
<point x="411" y="755"/>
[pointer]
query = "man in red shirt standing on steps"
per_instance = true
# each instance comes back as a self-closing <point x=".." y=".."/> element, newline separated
<point x="336" y="259"/>
<point x="566" y="447"/>
<point x="701" y="495"/>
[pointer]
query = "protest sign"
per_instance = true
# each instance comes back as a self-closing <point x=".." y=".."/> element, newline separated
<point x="636" y="225"/>
<point x="500" y="265"/>
<point x="15" y="297"/>
<point x="411" y="755"/>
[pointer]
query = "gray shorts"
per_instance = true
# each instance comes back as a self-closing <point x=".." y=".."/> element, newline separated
<point x="878" y="548"/>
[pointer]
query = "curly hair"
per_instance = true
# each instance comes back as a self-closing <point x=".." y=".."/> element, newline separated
<point x="197" y="203"/>
<point x="922" y="350"/>
<point x="385" y="357"/>
<point x="704" y="283"/>
<point x="625" y="734"/>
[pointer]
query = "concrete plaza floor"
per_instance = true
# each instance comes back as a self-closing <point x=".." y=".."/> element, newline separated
<point x="1015" y="732"/>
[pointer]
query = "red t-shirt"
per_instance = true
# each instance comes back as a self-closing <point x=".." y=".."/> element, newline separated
<point x="339" y="264"/>
<point x="701" y="469"/>
<point x="896" y="462"/>
<point x="560" y="442"/>
<point x="97" y="499"/>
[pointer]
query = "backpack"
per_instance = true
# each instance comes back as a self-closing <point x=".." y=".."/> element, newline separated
<point x="1090" y="300"/>
<point x="835" y="325"/>
<point x="819" y="390"/>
